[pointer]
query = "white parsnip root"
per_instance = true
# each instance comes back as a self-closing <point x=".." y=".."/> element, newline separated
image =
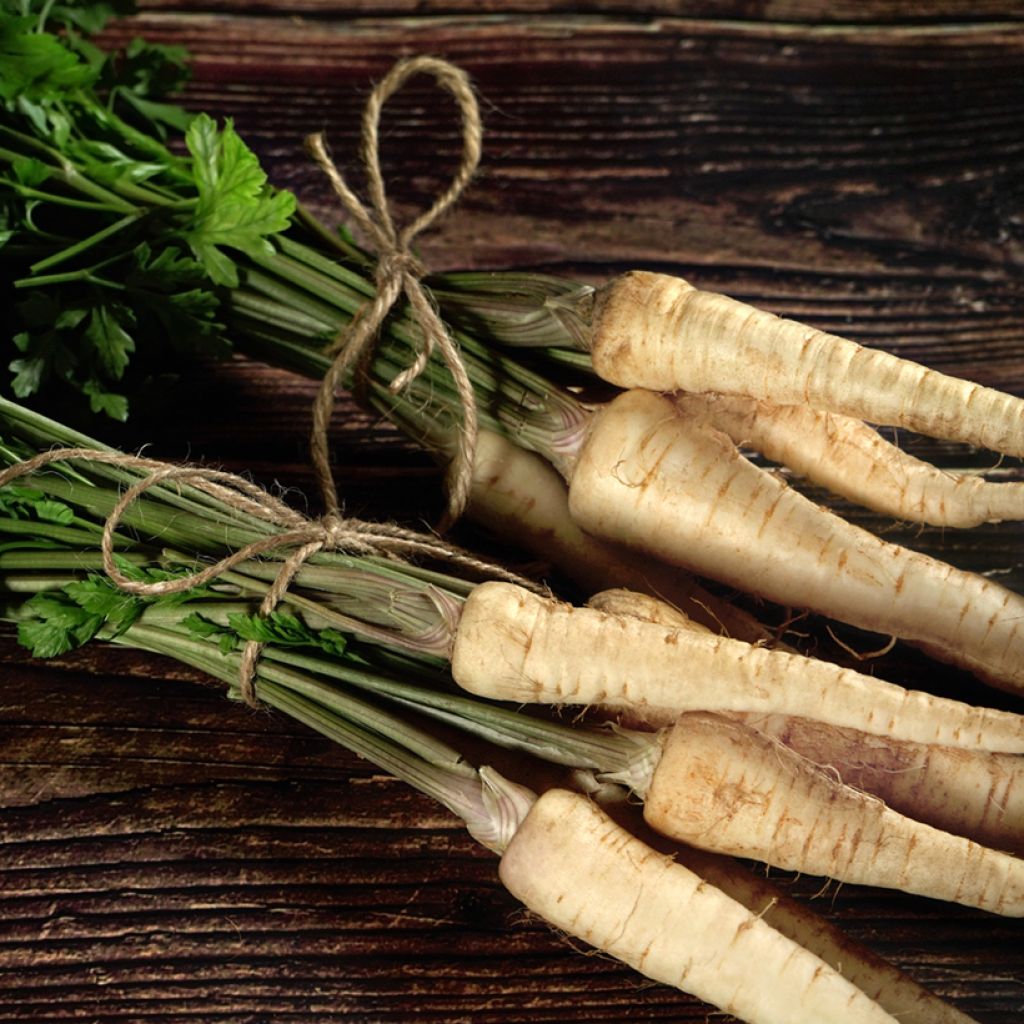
<point x="659" y="332"/>
<point x="971" y="793"/>
<point x="517" y="494"/>
<point x="851" y="459"/>
<point x="673" y="486"/>
<point x="893" y="990"/>
<point x="723" y="786"/>
<point x="517" y="646"/>
<point x="572" y="865"/>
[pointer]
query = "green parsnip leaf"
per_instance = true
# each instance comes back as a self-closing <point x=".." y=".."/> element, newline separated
<point x="35" y="65"/>
<point x="103" y="401"/>
<point x="197" y="625"/>
<point x="154" y="574"/>
<point x="20" y="502"/>
<point x="160" y="116"/>
<point x="98" y="596"/>
<point x="30" y="371"/>
<point x="109" y="340"/>
<point x="51" y="511"/>
<point x="59" y="621"/>
<point x="144" y="71"/>
<point x="281" y="628"/>
<point x="29" y="171"/>
<point x="236" y="207"/>
<point x="111" y="165"/>
<point x="89" y="17"/>
<point x="57" y="625"/>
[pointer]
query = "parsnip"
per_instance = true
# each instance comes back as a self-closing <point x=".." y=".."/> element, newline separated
<point x="674" y="487"/>
<point x="723" y="786"/>
<point x="514" y="645"/>
<point x="517" y="494"/>
<point x="801" y="816"/>
<point x="971" y="793"/>
<point x="853" y="460"/>
<point x="659" y="332"/>
<point x="572" y="865"/>
<point x="891" y="988"/>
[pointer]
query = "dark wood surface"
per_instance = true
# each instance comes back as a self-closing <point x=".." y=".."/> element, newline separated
<point x="168" y="856"/>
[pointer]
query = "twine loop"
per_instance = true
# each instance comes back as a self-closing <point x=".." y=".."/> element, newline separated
<point x="293" y="533"/>
<point x="398" y="272"/>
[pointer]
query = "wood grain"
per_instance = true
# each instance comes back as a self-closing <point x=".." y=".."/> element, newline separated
<point x="166" y="856"/>
<point x="812" y="11"/>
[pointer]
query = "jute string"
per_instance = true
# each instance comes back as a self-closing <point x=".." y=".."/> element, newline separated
<point x="300" y="536"/>
<point x="398" y="272"/>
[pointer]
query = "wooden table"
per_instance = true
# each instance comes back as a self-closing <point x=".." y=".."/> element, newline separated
<point x="167" y="856"/>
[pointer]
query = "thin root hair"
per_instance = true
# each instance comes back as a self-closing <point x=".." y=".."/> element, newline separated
<point x="880" y="652"/>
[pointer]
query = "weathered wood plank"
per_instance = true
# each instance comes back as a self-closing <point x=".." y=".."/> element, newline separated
<point x="913" y="12"/>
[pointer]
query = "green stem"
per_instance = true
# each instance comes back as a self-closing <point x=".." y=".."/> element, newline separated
<point x="153" y="518"/>
<point x="319" y="288"/>
<point x="44" y="13"/>
<point x="388" y="741"/>
<point x="491" y="807"/>
<point x="334" y="242"/>
<point x="512" y="400"/>
<point x="280" y="302"/>
<point x="81" y="276"/>
<point x="53" y="531"/>
<point x="85" y="244"/>
<point x="63" y="169"/>
<point x="151" y="148"/>
<point x="76" y="483"/>
<point x="30" y="192"/>
<point x="605" y="750"/>
<point x="516" y="309"/>
<point x="257" y="315"/>
<point x="72" y="561"/>
<point x="378" y="617"/>
<point x="33" y="583"/>
<point x="357" y="281"/>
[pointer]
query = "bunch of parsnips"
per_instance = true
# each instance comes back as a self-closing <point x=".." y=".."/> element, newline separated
<point x="95" y="545"/>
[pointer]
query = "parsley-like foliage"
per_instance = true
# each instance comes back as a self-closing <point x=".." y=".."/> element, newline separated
<point x="236" y="207"/>
<point x="280" y="628"/>
<point x="112" y="245"/>
<point x="55" y="622"/>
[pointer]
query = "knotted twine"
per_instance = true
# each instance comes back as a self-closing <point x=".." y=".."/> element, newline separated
<point x="303" y="537"/>
<point x="398" y="271"/>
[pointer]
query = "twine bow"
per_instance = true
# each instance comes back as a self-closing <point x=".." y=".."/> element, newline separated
<point x="398" y="271"/>
<point x="295" y="533"/>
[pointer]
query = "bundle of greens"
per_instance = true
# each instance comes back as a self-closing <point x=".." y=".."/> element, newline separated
<point x="357" y="646"/>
